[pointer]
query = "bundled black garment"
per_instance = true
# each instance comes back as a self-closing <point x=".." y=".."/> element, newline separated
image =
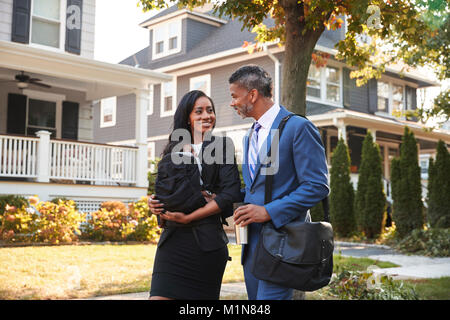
<point x="177" y="183"/>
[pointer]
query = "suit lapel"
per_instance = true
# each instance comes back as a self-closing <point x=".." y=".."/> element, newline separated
<point x="268" y="142"/>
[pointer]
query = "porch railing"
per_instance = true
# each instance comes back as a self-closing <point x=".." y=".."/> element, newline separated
<point x="42" y="159"/>
<point x="18" y="156"/>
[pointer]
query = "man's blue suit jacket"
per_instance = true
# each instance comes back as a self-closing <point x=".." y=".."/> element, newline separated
<point x="301" y="180"/>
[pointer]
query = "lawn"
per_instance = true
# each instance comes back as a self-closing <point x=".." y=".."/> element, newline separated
<point x="79" y="271"/>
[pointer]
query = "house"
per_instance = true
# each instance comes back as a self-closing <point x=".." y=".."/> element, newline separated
<point x="49" y="83"/>
<point x="200" y="51"/>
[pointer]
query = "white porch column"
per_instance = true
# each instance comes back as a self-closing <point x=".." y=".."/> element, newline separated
<point x="142" y="97"/>
<point x="43" y="156"/>
<point x="342" y="131"/>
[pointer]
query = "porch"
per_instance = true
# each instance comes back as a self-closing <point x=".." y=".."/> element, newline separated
<point x="46" y="127"/>
<point x="387" y="132"/>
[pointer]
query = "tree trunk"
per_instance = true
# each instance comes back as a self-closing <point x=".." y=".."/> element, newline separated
<point x="297" y="57"/>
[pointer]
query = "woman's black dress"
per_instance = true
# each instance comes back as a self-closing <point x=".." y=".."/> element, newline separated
<point x="191" y="258"/>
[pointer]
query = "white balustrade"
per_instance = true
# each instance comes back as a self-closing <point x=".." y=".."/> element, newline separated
<point x="18" y="156"/>
<point x="42" y="159"/>
<point x="101" y="164"/>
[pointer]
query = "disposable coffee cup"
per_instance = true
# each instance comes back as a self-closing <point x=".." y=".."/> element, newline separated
<point x="241" y="234"/>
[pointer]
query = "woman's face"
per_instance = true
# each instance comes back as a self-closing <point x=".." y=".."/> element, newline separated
<point x="202" y="117"/>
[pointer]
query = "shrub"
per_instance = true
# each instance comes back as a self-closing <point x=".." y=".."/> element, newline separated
<point x="58" y="222"/>
<point x="434" y="242"/>
<point x="342" y="194"/>
<point x="12" y="201"/>
<point x="439" y="188"/>
<point x="46" y="222"/>
<point x="151" y="175"/>
<point x="116" y="221"/>
<point x="349" y="285"/>
<point x="370" y="201"/>
<point x="17" y="223"/>
<point x="408" y="213"/>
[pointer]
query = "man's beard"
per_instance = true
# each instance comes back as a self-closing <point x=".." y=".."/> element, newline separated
<point x="245" y="110"/>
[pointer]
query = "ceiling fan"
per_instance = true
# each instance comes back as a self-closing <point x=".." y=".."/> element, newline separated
<point x="24" y="80"/>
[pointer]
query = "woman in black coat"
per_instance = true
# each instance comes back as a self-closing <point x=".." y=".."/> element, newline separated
<point x="192" y="251"/>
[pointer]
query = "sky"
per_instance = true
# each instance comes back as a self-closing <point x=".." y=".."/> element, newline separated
<point x="117" y="31"/>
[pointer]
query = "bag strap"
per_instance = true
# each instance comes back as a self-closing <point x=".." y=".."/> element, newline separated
<point x="269" y="178"/>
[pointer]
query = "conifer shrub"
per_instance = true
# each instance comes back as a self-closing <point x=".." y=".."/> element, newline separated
<point x="341" y="194"/>
<point x="439" y="188"/>
<point x="408" y="213"/>
<point x="370" y="200"/>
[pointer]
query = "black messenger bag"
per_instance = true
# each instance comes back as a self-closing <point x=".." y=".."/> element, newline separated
<point x="298" y="255"/>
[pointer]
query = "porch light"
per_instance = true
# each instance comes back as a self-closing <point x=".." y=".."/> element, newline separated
<point x="22" y="85"/>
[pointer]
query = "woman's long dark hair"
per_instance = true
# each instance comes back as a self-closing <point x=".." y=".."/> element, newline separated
<point x="181" y="117"/>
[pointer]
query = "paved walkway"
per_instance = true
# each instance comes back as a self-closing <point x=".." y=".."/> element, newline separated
<point x="411" y="267"/>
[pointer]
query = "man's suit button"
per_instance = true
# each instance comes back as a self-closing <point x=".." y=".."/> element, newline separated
<point x="252" y="191"/>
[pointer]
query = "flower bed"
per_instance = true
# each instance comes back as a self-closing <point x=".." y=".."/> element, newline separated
<point x="35" y="221"/>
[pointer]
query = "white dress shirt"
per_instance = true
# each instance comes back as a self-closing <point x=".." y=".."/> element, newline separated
<point x="266" y="122"/>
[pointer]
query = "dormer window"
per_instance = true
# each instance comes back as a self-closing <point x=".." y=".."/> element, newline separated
<point x="167" y="39"/>
<point x="47" y="22"/>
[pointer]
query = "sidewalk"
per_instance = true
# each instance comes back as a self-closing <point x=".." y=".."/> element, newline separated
<point x="411" y="267"/>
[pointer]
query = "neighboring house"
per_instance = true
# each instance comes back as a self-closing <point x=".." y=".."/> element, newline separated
<point x="49" y="82"/>
<point x="201" y="51"/>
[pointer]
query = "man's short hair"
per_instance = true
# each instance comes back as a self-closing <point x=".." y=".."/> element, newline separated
<point x="253" y="77"/>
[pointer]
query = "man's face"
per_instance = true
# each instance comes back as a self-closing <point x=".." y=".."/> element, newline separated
<point x="240" y="100"/>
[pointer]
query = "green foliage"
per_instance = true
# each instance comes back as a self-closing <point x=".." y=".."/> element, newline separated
<point x="408" y="211"/>
<point x="399" y="29"/>
<point x="433" y="242"/>
<point x="342" y="194"/>
<point x="439" y="188"/>
<point x="46" y="222"/>
<point x="12" y="200"/>
<point x="151" y="175"/>
<point x="116" y="221"/>
<point x="370" y="201"/>
<point x="316" y="212"/>
<point x="350" y="285"/>
<point x="60" y="222"/>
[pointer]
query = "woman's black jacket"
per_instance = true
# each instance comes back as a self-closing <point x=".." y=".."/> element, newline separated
<point x="178" y="186"/>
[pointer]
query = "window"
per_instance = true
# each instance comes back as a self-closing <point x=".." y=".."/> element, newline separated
<point x="108" y="112"/>
<point x="168" y="105"/>
<point x="333" y="84"/>
<point x="409" y="99"/>
<point x="383" y="96"/>
<point x="41" y="116"/>
<point x="202" y="83"/>
<point x="397" y="97"/>
<point x="167" y="39"/>
<point x="390" y="97"/>
<point x="48" y="23"/>
<point x="313" y="84"/>
<point x="324" y="84"/>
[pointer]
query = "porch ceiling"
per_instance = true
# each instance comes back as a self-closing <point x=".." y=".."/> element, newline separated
<point x="374" y="122"/>
<point x="98" y="79"/>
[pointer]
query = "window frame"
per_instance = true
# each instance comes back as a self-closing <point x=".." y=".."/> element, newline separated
<point x="51" y="97"/>
<point x="165" y="28"/>
<point x="112" y="123"/>
<point x="390" y="97"/>
<point x="323" y="87"/>
<point x="164" y="113"/>
<point x="150" y="100"/>
<point x="62" y="27"/>
<point x="204" y="77"/>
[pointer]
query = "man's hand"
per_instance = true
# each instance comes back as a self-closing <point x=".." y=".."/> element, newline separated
<point x="250" y="213"/>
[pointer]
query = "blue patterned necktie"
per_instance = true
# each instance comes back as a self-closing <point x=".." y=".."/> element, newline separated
<point x="253" y="150"/>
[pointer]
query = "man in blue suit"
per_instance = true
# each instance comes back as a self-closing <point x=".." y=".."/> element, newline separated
<point x="300" y="170"/>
